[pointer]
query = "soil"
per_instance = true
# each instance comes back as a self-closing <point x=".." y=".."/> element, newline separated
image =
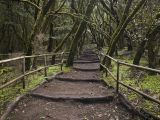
<point x="41" y="109"/>
<point x="80" y="75"/>
<point x="73" y="89"/>
<point x="62" y="98"/>
<point x="87" y="67"/>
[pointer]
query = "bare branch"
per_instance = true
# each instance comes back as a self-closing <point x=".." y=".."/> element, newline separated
<point x="31" y="3"/>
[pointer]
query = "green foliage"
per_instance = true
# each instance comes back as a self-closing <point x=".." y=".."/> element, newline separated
<point x="67" y="69"/>
<point x="4" y="70"/>
<point x="132" y="96"/>
<point x="53" y="70"/>
<point x="152" y="83"/>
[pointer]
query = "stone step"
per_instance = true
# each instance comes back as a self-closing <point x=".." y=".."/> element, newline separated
<point x="86" y="61"/>
<point x="93" y="99"/>
<point x="89" y="59"/>
<point x="87" y="67"/>
<point x="74" y="90"/>
<point x="79" y="76"/>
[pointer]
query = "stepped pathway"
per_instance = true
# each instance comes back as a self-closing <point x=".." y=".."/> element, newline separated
<point x="77" y="95"/>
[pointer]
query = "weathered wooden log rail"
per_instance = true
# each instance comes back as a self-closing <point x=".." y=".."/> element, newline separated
<point x="26" y="73"/>
<point x="119" y="82"/>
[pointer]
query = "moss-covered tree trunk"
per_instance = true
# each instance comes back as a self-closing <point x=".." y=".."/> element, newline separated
<point x="151" y="46"/>
<point x="79" y="32"/>
<point x="139" y="52"/>
<point x="150" y="42"/>
<point x="50" y="40"/>
<point x="41" y="19"/>
<point x="126" y="18"/>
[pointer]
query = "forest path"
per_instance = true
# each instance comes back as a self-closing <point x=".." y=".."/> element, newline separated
<point x="77" y="95"/>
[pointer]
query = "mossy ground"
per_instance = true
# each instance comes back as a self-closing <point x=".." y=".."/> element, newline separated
<point x="11" y="92"/>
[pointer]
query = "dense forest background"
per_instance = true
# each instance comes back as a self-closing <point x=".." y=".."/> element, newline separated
<point x="37" y="26"/>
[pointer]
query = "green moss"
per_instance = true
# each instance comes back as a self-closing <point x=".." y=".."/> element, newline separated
<point x="56" y="69"/>
<point x="53" y="70"/>
<point x="132" y="96"/>
<point x="151" y="83"/>
<point x="129" y="82"/>
<point x="109" y="80"/>
<point x="151" y="107"/>
<point x="66" y="69"/>
<point x="4" y="70"/>
<point x="147" y="105"/>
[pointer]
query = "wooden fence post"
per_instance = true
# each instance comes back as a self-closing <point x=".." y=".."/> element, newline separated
<point x="117" y="85"/>
<point x="24" y="71"/>
<point x="45" y="65"/>
<point x="106" y="72"/>
<point x="62" y="60"/>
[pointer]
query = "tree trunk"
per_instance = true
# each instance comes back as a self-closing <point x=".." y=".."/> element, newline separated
<point x="139" y="52"/>
<point x="151" y="46"/>
<point x="121" y="27"/>
<point x="41" y="19"/>
<point x="50" y="41"/>
<point x="79" y="32"/>
<point x="28" y="53"/>
<point x="151" y="55"/>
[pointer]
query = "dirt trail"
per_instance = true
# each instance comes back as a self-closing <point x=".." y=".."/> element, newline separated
<point x="78" y="95"/>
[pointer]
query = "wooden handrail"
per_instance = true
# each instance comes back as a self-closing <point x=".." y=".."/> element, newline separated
<point x="140" y="67"/>
<point x="11" y="82"/>
<point x="12" y="59"/>
<point x="109" y="72"/>
<point x="109" y="57"/>
<point x="19" y="78"/>
<point x="139" y="92"/>
<point x="33" y="56"/>
<point x="129" y="87"/>
<point x="132" y="65"/>
<point x="30" y="72"/>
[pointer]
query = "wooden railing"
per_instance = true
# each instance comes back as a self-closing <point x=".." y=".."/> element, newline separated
<point x="26" y="73"/>
<point x="119" y="82"/>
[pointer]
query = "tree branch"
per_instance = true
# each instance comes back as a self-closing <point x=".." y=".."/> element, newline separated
<point x="31" y="3"/>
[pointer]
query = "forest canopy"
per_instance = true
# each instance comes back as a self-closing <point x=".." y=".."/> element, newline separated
<point x="40" y="26"/>
<point x="114" y="41"/>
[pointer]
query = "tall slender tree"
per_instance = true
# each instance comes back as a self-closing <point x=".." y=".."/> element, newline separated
<point x="80" y="31"/>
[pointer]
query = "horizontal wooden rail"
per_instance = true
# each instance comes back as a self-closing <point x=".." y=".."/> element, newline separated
<point x="109" y="57"/>
<point x="140" y="67"/>
<point x="33" y="56"/>
<point x="21" y="77"/>
<point x="109" y="72"/>
<point x="31" y="72"/>
<point x="11" y="82"/>
<point x="132" y="65"/>
<point x="124" y="85"/>
<point x="12" y="59"/>
<point x="139" y="92"/>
